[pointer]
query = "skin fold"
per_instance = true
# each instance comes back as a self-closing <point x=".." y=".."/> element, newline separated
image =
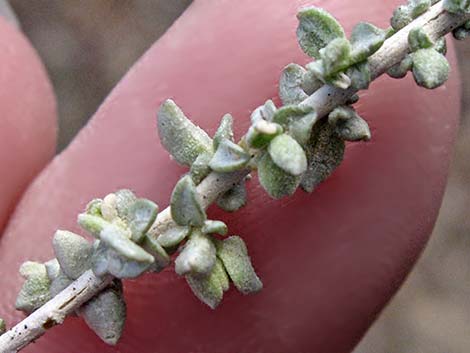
<point x="329" y="261"/>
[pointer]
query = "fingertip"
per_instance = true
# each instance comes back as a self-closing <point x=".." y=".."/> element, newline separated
<point x="28" y="117"/>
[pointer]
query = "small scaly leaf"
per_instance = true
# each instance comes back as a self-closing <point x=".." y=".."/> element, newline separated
<point x="286" y="114"/>
<point x="234" y="255"/>
<point x="124" y="199"/>
<point x="105" y="313"/>
<point x="301" y="128"/>
<point x="430" y="68"/>
<point x="107" y="260"/>
<point x="35" y="290"/>
<point x="180" y="137"/>
<point x="210" y="289"/>
<point x="263" y="112"/>
<point x="116" y="239"/>
<point x="288" y="155"/>
<point x="3" y="327"/>
<point x="401" y="17"/>
<point x="214" y="227"/>
<point x="186" y="207"/>
<point x="141" y="215"/>
<point x="360" y="75"/>
<point x="274" y="180"/>
<point x="229" y="157"/>
<point x="349" y="125"/>
<point x="290" y="85"/>
<point x="153" y="247"/>
<point x="336" y="56"/>
<point x="261" y="133"/>
<point x="366" y="39"/>
<point x="200" y="168"/>
<point x="225" y="131"/>
<point x="92" y="224"/>
<point x="173" y="236"/>
<point x="197" y="256"/>
<point x="325" y="153"/>
<point x="400" y="70"/>
<point x="457" y="6"/>
<point x="419" y="39"/>
<point x="418" y="7"/>
<point x="316" y="29"/>
<point x="73" y="253"/>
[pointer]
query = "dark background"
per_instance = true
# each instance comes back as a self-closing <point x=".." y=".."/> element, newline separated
<point x="88" y="45"/>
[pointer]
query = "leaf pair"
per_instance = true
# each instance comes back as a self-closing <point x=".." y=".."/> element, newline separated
<point x="232" y="262"/>
<point x="322" y="37"/>
<point x="427" y="61"/>
<point x="405" y="14"/>
<point x="190" y="145"/>
<point x="121" y="221"/>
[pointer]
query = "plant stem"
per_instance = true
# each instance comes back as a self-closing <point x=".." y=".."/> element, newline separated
<point x="436" y="22"/>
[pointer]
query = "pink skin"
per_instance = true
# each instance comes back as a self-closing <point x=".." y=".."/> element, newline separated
<point x="329" y="261"/>
<point x="28" y="118"/>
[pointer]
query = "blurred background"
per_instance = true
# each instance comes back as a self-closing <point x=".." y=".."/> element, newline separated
<point x="430" y="314"/>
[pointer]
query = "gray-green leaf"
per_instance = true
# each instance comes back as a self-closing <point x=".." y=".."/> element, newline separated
<point x="210" y="289"/>
<point x="366" y="39"/>
<point x="229" y="157"/>
<point x="360" y="75"/>
<point x="290" y="84"/>
<point x="316" y="29"/>
<point x="336" y="56"/>
<point x="234" y="199"/>
<point x="430" y="68"/>
<point x="300" y="129"/>
<point x="173" y="236"/>
<point x="200" y="168"/>
<point x="225" y="131"/>
<point x="261" y="133"/>
<point x="234" y="255"/>
<point x="325" y="154"/>
<point x="457" y="6"/>
<point x="92" y="224"/>
<point x="73" y="253"/>
<point x="186" y="208"/>
<point x="287" y="113"/>
<point x="124" y="199"/>
<point x="274" y="180"/>
<point x="35" y="290"/>
<point x="197" y="256"/>
<point x="107" y="260"/>
<point x="94" y="207"/>
<point x="288" y="155"/>
<point x="418" y="7"/>
<point x="141" y="215"/>
<point x="263" y="112"/>
<point x="105" y="314"/>
<point x="153" y="246"/>
<point x="180" y="137"/>
<point x="349" y="126"/>
<point x="116" y="239"/>
<point x="215" y="227"/>
<point x="401" y="17"/>
<point x="400" y="70"/>
<point x="419" y="39"/>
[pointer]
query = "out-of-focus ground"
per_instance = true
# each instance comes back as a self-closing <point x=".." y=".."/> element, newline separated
<point x="88" y="45"/>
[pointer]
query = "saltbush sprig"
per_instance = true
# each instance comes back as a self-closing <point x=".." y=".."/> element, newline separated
<point x="288" y="146"/>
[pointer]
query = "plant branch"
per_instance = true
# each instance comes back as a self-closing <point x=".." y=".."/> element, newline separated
<point x="436" y="22"/>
